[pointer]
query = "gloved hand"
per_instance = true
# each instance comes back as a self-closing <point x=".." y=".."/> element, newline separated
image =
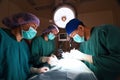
<point x="39" y="70"/>
<point x="43" y="69"/>
<point x="52" y="60"/>
<point x="76" y="54"/>
<point x="44" y="59"/>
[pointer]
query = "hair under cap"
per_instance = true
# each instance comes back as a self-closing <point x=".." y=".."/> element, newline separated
<point x="19" y="19"/>
<point x="50" y="28"/>
<point x="73" y="25"/>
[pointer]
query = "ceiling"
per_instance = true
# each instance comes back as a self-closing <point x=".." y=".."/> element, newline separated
<point x="43" y="7"/>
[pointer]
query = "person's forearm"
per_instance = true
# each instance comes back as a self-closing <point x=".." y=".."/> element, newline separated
<point x="33" y="70"/>
<point x="43" y="59"/>
<point x="88" y="58"/>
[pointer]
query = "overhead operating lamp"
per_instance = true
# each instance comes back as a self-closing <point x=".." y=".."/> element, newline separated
<point x="63" y="15"/>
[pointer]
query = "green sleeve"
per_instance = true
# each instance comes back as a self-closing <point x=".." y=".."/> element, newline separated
<point x="109" y="40"/>
<point x="13" y="57"/>
<point x="35" y="48"/>
<point x="1" y="56"/>
<point x="41" y="48"/>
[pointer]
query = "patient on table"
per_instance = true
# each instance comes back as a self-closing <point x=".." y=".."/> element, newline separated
<point x="68" y="65"/>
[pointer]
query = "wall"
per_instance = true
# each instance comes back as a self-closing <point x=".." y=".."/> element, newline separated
<point x="96" y="12"/>
<point x="97" y="18"/>
<point x="7" y="8"/>
<point x="90" y="12"/>
<point x="116" y="13"/>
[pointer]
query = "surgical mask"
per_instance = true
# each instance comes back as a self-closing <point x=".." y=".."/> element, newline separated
<point x="78" y="39"/>
<point x="31" y="33"/>
<point x="51" y="36"/>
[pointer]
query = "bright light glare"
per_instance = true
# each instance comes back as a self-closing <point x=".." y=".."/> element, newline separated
<point x="63" y="12"/>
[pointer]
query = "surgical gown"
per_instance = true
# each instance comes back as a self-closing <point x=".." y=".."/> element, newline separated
<point x="104" y="46"/>
<point x="41" y="48"/>
<point x="13" y="57"/>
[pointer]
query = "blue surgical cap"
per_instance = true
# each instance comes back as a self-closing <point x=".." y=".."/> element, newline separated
<point x="73" y="25"/>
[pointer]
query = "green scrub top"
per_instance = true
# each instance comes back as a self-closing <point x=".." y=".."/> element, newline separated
<point x="13" y="57"/>
<point x="41" y="48"/>
<point x="104" y="46"/>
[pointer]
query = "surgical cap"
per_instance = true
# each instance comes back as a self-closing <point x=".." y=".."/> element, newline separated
<point x="50" y="28"/>
<point x="73" y="25"/>
<point x="19" y="19"/>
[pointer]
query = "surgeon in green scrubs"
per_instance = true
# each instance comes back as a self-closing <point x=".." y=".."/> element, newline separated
<point x="42" y="48"/>
<point x="14" y="51"/>
<point x="99" y="48"/>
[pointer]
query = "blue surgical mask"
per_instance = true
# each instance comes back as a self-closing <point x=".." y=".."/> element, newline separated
<point x="78" y="38"/>
<point x="31" y="33"/>
<point x="51" y="36"/>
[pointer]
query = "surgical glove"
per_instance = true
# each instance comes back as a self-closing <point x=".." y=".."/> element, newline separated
<point x="43" y="69"/>
<point x="53" y="61"/>
<point x="76" y="54"/>
<point x="39" y="70"/>
<point x="44" y="59"/>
